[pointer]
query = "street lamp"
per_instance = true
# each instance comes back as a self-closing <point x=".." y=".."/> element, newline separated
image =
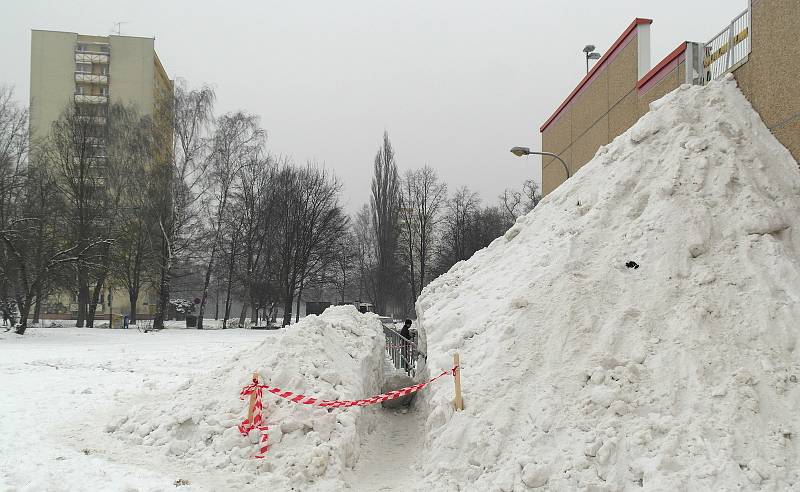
<point x="520" y="151"/>
<point x="591" y="54"/>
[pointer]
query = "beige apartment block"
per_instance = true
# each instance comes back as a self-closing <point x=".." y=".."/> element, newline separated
<point x="622" y="84"/>
<point x="88" y="73"/>
<point x="68" y="67"/>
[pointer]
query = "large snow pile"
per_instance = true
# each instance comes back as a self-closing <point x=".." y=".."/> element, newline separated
<point x="338" y="355"/>
<point x="580" y="372"/>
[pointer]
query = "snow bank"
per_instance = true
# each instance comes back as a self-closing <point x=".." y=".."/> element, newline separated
<point x="681" y="374"/>
<point x="338" y="355"/>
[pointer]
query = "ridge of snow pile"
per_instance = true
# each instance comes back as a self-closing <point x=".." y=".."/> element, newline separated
<point x="682" y="374"/>
<point x="337" y="355"/>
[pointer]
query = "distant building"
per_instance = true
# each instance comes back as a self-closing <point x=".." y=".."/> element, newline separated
<point x="67" y="67"/>
<point x="88" y="73"/>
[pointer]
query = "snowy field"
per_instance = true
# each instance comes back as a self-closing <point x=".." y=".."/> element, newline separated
<point x="121" y="410"/>
<point x="60" y="385"/>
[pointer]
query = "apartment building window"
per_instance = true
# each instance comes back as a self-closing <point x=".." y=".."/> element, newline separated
<point x="82" y="47"/>
<point x="104" y="70"/>
<point x="104" y="91"/>
<point x="80" y="90"/>
<point x="84" y="67"/>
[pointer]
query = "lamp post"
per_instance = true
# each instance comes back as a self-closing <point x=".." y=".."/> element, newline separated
<point x="591" y="54"/>
<point x="520" y="151"/>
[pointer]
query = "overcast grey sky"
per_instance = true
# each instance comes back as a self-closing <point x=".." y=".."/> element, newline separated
<point x="456" y="83"/>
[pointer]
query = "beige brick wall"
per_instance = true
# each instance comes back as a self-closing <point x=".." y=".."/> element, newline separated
<point x="553" y="173"/>
<point x="771" y="77"/>
<point x="667" y="84"/>
<point x="622" y="73"/>
<point x="623" y="115"/>
<point x="585" y="125"/>
<point x="52" y="78"/>
<point x="133" y="75"/>
<point x="584" y="148"/>
<point x="590" y="105"/>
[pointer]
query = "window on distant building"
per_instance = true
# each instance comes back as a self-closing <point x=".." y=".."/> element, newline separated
<point x="84" y="67"/>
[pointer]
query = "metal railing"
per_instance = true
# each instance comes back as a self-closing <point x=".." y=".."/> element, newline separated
<point x="401" y="351"/>
<point x="91" y="57"/>
<point x="728" y="48"/>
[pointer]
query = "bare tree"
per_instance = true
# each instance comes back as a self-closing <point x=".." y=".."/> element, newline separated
<point x="458" y="226"/>
<point x="345" y="266"/>
<point x="423" y="199"/>
<point x="236" y="141"/>
<point x="384" y="207"/>
<point x="255" y="206"/>
<point x="519" y="202"/>
<point x="132" y="149"/>
<point x="308" y="222"/>
<point x="76" y="148"/>
<point x="365" y="254"/>
<point x="182" y="122"/>
<point x="38" y="249"/>
<point x="13" y="154"/>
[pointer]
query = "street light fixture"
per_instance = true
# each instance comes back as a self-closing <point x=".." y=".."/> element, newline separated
<point x="591" y="54"/>
<point x="520" y="151"/>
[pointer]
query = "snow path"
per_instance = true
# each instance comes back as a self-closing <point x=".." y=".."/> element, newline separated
<point x="389" y="452"/>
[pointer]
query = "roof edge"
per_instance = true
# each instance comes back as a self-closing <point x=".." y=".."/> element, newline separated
<point x="597" y="66"/>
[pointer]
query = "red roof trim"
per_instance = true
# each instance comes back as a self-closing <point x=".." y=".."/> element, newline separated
<point x="602" y="61"/>
<point x="663" y="63"/>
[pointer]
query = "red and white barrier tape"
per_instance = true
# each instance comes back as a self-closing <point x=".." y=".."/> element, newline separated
<point x="389" y="395"/>
<point x="246" y="426"/>
<point x="258" y="417"/>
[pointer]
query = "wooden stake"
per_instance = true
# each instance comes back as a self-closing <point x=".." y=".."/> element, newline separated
<point x="458" y="402"/>
<point x="252" y="401"/>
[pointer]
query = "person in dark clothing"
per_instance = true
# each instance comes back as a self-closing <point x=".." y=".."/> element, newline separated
<point x="406" y="331"/>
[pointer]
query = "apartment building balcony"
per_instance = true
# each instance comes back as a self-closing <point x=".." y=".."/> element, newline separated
<point x="96" y="141"/>
<point x="91" y="57"/>
<point x="91" y="78"/>
<point x="83" y="98"/>
<point x="97" y="120"/>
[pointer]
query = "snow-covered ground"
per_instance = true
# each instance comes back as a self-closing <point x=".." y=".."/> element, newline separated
<point x="58" y="387"/>
<point x="94" y="409"/>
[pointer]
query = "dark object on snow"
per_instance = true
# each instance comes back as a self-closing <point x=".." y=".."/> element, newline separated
<point x="632" y="264"/>
<point x="191" y="321"/>
<point x="268" y="326"/>
<point x="396" y="382"/>
<point x="316" y="307"/>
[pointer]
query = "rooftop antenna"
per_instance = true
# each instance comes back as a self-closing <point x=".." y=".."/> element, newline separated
<point x="118" y="27"/>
